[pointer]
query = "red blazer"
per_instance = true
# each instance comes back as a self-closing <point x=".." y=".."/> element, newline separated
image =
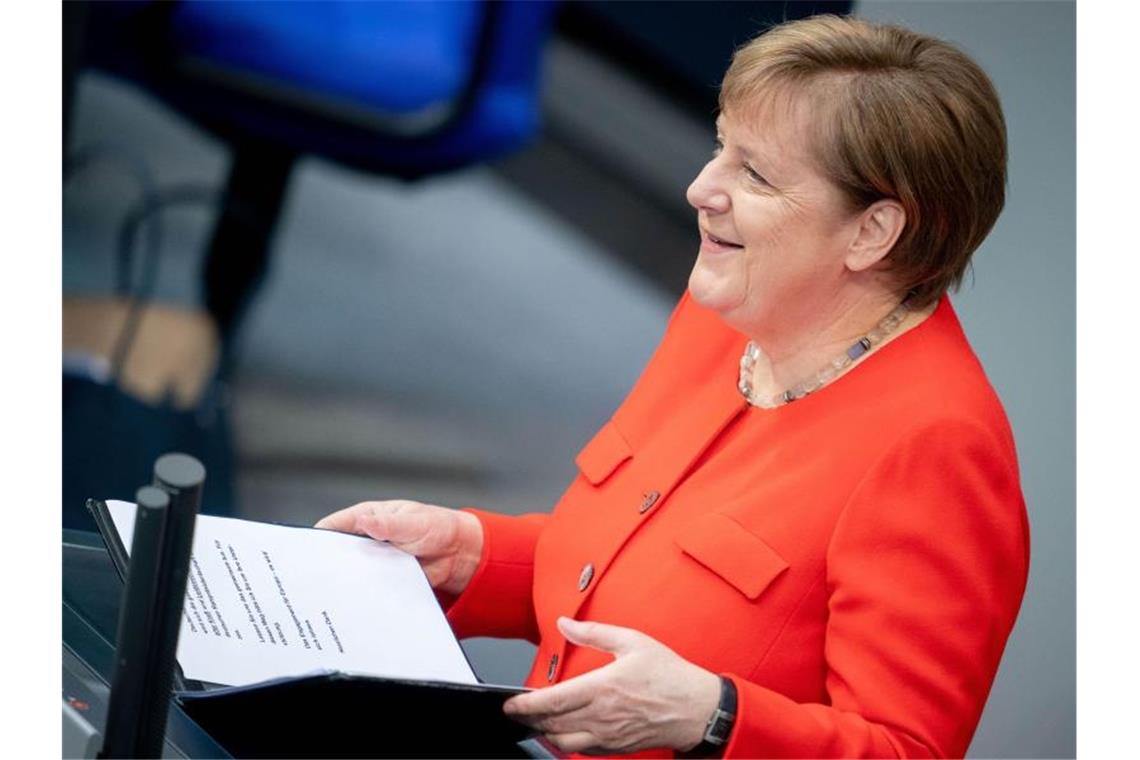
<point x="854" y="561"/>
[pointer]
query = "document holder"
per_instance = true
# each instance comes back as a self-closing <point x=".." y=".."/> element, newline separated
<point x="334" y="714"/>
<point x="341" y="715"/>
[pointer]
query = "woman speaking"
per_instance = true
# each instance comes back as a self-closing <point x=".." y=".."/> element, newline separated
<point x="802" y="533"/>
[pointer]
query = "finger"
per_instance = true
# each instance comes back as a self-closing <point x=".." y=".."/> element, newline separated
<point x="602" y="636"/>
<point x="398" y="523"/>
<point x="578" y="741"/>
<point x="565" y="723"/>
<point x="554" y="700"/>
<point x="343" y="520"/>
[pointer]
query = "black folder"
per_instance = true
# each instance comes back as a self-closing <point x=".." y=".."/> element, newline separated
<point x="334" y="714"/>
<point x="341" y="715"/>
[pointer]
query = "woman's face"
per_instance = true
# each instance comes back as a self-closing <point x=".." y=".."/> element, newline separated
<point x="773" y="230"/>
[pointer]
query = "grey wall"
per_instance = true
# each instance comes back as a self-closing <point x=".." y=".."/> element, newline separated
<point x="1019" y="311"/>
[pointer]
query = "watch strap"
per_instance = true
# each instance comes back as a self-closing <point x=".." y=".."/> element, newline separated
<point x="719" y="727"/>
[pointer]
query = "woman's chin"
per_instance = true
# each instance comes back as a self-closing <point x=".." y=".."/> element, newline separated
<point x="712" y="291"/>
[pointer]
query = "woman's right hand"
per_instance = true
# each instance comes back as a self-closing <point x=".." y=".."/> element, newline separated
<point x="447" y="542"/>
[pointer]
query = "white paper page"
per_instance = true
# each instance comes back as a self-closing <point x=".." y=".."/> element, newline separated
<point x="264" y="601"/>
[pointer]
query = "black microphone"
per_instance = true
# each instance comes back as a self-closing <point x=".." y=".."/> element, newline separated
<point x="125" y="733"/>
<point x="151" y="616"/>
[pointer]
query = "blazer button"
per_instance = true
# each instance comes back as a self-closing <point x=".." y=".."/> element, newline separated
<point x="586" y="576"/>
<point x="648" y="501"/>
<point x="552" y="667"/>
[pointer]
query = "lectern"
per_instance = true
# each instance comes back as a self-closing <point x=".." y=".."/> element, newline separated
<point x="149" y="617"/>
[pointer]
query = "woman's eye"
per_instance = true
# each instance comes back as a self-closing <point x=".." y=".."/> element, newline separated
<point x="718" y="146"/>
<point x="754" y="175"/>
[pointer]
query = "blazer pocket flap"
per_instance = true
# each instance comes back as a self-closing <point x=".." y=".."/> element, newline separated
<point x="728" y="549"/>
<point x="601" y="456"/>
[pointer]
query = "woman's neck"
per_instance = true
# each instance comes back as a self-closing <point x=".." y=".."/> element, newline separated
<point x="794" y="356"/>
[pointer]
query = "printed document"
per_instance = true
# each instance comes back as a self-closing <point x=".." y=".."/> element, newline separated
<point x="267" y="601"/>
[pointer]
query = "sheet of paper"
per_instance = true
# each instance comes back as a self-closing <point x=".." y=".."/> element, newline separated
<point x="265" y="601"/>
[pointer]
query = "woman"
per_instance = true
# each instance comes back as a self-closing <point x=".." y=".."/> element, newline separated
<point x="802" y="533"/>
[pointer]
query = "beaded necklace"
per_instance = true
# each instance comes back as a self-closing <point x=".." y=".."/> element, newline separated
<point x="825" y="375"/>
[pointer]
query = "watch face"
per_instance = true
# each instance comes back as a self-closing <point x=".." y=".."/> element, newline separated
<point x="721" y="727"/>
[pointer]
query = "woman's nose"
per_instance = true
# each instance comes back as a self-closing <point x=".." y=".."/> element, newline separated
<point x="705" y="192"/>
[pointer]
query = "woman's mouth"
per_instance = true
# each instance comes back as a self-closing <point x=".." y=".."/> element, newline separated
<point x="712" y="244"/>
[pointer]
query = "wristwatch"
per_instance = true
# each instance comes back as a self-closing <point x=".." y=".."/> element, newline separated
<point x="719" y="727"/>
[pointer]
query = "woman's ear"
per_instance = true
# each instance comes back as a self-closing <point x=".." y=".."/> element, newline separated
<point x="879" y="228"/>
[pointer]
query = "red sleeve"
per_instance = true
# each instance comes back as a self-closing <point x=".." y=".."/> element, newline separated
<point x="925" y="574"/>
<point x="498" y="601"/>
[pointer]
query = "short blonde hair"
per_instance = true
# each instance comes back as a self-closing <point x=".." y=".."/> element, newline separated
<point x="897" y="115"/>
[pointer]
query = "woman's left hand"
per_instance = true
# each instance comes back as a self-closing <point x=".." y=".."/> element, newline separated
<point x="649" y="696"/>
